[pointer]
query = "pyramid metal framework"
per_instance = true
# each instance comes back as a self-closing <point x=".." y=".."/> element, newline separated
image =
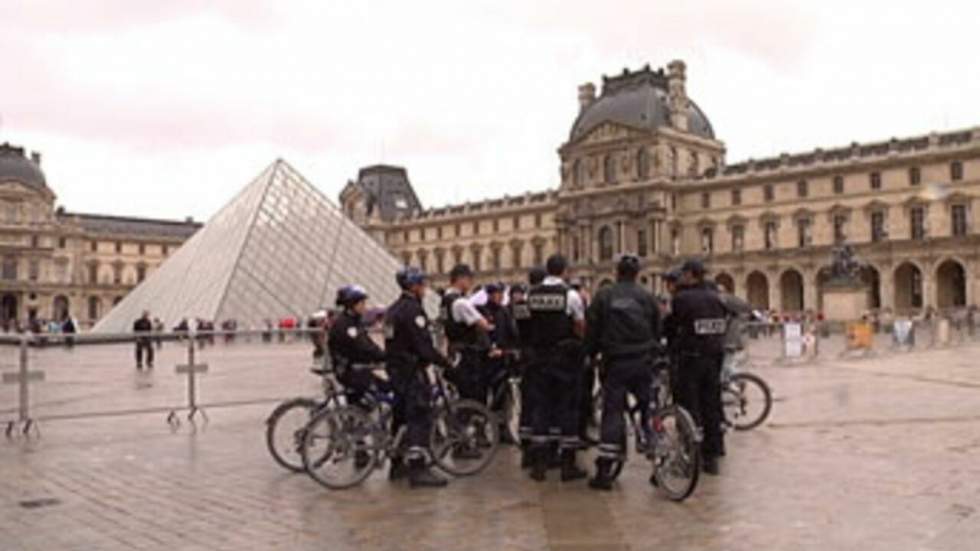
<point x="279" y="248"/>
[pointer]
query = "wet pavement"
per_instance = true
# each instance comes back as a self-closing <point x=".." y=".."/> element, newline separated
<point x="879" y="453"/>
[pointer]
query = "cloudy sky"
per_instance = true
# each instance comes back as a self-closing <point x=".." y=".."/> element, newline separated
<point x="165" y="109"/>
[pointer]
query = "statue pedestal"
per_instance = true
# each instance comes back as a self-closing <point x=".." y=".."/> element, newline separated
<point x="844" y="301"/>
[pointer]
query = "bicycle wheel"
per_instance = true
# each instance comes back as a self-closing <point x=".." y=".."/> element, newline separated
<point x="465" y="437"/>
<point x="284" y="430"/>
<point x="676" y="452"/>
<point x="341" y="447"/>
<point x="747" y="401"/>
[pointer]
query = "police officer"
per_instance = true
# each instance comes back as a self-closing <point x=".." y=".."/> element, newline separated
<point x="699" y="321"/>
<point x="409" y="349"/>
<point x="468" y="333"/>
<point x="623" y="325"/>
<point x="351" y="348"/>
<point x="557" y="327"/>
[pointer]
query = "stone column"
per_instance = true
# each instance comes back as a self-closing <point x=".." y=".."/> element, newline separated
<point x="775" y="293"/>
<point x="810" y="291"/>
<point x="886" y="289"/>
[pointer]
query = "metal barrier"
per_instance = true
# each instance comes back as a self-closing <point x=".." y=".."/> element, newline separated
<point x="191" y="365"/>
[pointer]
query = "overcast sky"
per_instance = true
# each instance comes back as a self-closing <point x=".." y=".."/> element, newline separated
<point x="150" y="108"/>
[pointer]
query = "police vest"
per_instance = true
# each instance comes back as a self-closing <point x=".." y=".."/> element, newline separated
<point x="522" y="318"/>
<point x="550" y="322"/>
<point x="457" y="333"/>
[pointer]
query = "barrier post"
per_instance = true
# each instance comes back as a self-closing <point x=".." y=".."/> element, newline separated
<point x="191" y="369"/>
<point x="23" y="377"/>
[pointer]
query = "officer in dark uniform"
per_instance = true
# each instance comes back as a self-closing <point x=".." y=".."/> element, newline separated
<point x="351" y="348"/>
<point x="409" y="349"/>
<point x="557" y="327"/>
<point x="623" y="325"/>
<point x="468" y="334"/>
<point x="699" y="321"/>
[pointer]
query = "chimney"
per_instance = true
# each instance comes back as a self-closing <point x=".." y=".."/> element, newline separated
<point x="586" y="95"/>
<point x="677" y="94"/>
<point x="36" y="157"/>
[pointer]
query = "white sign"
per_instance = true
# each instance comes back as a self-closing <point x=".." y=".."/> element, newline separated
<point x="792" y="340"/>
<point x="903" y="332"/>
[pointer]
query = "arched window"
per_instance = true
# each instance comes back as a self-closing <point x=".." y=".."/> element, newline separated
<point x="609" y="169"/>
<point x="643" y="163"/>
<point x="577" y="178"/>
<point x="606" y="250"/>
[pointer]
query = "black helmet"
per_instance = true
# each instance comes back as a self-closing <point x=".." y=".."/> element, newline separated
<point x="536" y="275"/>
<point x="628" y="265"/>
<point x="349" y="295"/>
<point x="409" y="277"/>
<point x="492" y="288"/>
<point x="695" y="267"/>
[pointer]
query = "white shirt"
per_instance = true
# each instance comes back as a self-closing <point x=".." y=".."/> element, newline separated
<point x="464" y="312"/>
<point x="574" y="306"/>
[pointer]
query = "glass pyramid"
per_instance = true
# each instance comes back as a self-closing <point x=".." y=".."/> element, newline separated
<point x="279" y="248"/>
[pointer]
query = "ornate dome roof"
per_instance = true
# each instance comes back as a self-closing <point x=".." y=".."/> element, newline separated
<point x="15" y="165"/>
<point x="639" y="100"/>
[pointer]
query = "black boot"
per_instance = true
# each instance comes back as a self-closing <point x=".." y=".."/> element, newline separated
<point x="710" y="465"/>
<point x="569" y="470"/>
<point x="421" y="476"/>
<point x="539" y="463"/>
<point x="603" y="476"/>
<point x="554" y="456"/>
<point x="525" y="455"/>
<point x="398" y="469"/>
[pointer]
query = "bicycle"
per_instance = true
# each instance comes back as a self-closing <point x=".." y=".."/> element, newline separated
<point x="286" y="424"/>
<point x="505" y="396"/>
<point x="740" y="391"/>
<point x="342" y="446"/>
<point x="670" y="440"/>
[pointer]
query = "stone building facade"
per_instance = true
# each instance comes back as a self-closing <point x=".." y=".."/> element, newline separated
<point x="642" y="171"/>
<point x="55" y="263"/>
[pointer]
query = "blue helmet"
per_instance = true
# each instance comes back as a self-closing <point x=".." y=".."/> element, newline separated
<point x="349" y="295"/>
<point x="409" y="277"/>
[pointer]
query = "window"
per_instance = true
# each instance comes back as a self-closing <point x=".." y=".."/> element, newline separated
<point x="956" y="171"/>
<point x="496" y="225"/>
<point x="405" y="237"/>
<point x="606" y="243"/>
<point x="707" y="240"/>
<point x="738" y="238"/>
<point x="802" y="188"/>
<point x="706" y="200"/>
<point x="577" y="178"/>
<point x="537" y="220"/>
<point x="768" y="193"/>
<point x="875" y="180"/>
<point x="439" y="233"/>
<point x="675" y="241"/>
<point x="94" y="246"/>
<point x="62" y="242"/>
<point x="93" y="307"/>
<point x="478" y="260"/>
<point x="770" y="237"/>
<point x="641" y="243"/>
<point x="736" y="197"/>
<point x="140" y="273"/>
<point x="516" y="222"/>
<point x="609" y="169"/>
<point x="35" y="242"/>
<point x="166" y="250"/>
<point x="643" y="163"/>
<point x="958" y="223"/>
<point x="117" y="274"/>
<point x="34" y="270"/>
<point x="538" y="254"/>
<point x="9" y="271"/>
<point x="838" y="184"/>
<point x="840" y="221"/>
<point x="476" y="228"/>
<point x="878" y="226"/>
<point x="457" y="257"/>
<point x="515" y="253"/>
<point x="118" y="247"/>
<point x="458" y="230"/>
<point x="142" y="249"/>
<point x="915" y="176"/>
<point x="917" y="223"/>
<point x="803" y="236"/>
<point x="93" y="273"/>
<point x="576" y="249"/>
<point x="495" y="258"/>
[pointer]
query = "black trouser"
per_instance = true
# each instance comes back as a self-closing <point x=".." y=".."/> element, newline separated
<point x="586" y="387"/>
<point x="622" y="377"/>
<point x="412" y="408"/>
<point x="470" y="377"/>
<point x="528" y="398"/>
<point x="698" y="390"/>
<point x="555" y="415"/>
<point x="141" y="345"/>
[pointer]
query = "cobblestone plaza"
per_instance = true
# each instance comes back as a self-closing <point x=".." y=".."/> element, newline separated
<point x="861" y="454"/>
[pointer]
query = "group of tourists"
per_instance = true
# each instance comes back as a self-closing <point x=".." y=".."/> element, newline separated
<point x="559" y="341"/>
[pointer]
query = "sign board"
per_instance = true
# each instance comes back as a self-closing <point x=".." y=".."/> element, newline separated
<point x="903" y="332"/>
<point x="792" y="340"/>
<point x="860" y="335"/>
